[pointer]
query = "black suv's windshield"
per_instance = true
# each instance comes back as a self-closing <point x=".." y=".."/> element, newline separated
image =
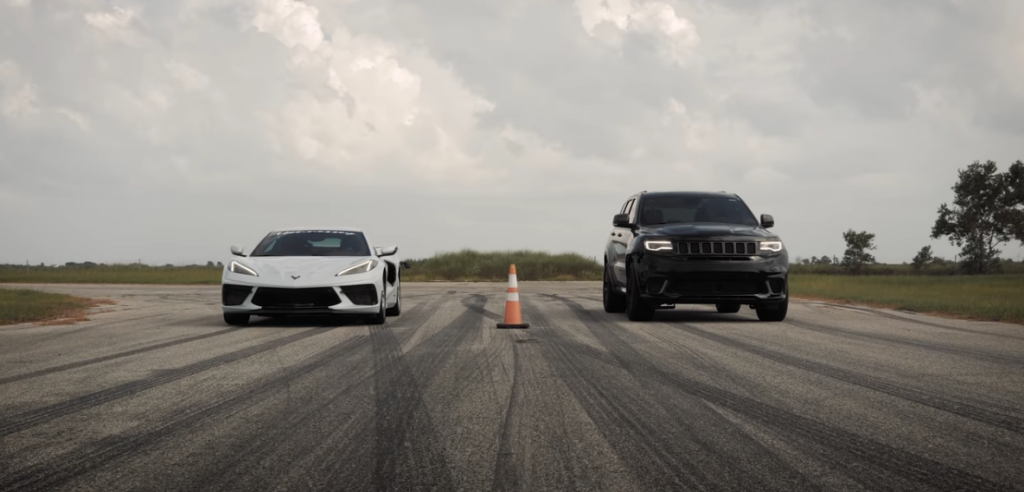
<point x="313" y="243"/>
<point x="687" y="209"/>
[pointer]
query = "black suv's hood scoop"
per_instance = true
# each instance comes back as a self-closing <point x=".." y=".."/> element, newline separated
<point x="708" y="230"/>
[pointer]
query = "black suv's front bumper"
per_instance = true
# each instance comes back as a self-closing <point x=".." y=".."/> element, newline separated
<point x="756" y="281"/>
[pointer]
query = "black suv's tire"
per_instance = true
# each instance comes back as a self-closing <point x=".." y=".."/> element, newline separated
<point x="636" y="308"/>
<point x="397" y="310"/>
<point x="614" y="302"/>
<point x="728" y="308"/>
<point x="774" y="313"/>
<point x="235" y="319"/>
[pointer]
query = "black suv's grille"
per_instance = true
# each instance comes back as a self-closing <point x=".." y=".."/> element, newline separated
<point x="734" y="287"/>
<point x="362" y="295"/>
<point x="717" y="248"/>
<point x="233" y="295"/>
<point x="317" y="297"/>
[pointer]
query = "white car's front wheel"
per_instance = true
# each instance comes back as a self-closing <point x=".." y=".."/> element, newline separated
<point x="379" y="318"/>
<point x="236" y="319"/>
<point x="397" y="308"/>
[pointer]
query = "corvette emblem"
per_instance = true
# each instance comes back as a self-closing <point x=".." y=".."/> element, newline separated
<point x="296" y="277"/>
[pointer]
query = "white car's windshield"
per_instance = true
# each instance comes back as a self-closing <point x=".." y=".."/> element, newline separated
<point x="313" y="243"/>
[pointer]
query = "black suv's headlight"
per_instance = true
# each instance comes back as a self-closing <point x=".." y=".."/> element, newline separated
<point x="658" y="245"/>
<point x="772" y="246"/>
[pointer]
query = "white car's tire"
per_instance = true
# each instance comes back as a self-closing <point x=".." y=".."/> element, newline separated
<point x="397" y="308"/>
<point x="236" y="319"/>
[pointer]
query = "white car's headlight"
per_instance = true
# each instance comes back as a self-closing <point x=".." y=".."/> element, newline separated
<point x="362" y="267"/>
<point x="773" y="246"/>
<point x="658" y="245"/>
<point x="241" y="269"/>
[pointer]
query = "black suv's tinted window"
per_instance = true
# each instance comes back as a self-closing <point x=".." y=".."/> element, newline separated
<point x="313" y="243"/>
<point x="690" y="209"/>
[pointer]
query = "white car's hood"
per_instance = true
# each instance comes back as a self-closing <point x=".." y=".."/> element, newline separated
<point x="307" y="269"/>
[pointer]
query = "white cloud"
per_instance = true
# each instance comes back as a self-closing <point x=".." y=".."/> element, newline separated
<point x="290" y="22"/>
<point x="109" y="21"/>
<point x="117" y="24"/>
<point x="378" y="113"/>
<point x="18" y="96"/>
<point x="189" y="78"/>
<point x="677" y="35"/>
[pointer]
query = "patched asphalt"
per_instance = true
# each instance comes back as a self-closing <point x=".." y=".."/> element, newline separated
<point x="155" y="392"/>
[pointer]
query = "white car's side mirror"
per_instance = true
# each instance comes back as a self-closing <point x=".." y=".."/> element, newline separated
<point x="237" y="250"/>
<point x="388" y="251"/>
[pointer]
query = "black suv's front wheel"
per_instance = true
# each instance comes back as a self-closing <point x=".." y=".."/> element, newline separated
<point x="773" y="313"/>
<point x="614" y="302"/>
<point x="636" y="308"/>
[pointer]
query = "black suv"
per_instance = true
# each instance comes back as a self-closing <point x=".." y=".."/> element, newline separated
<point x="669" y="248"/>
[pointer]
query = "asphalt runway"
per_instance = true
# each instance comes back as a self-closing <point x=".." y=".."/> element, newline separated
<point x="157" y="393"/>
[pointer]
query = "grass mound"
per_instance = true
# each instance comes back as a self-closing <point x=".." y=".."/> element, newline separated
<point x="473" y="266"/>
<point x="24" y="306"/>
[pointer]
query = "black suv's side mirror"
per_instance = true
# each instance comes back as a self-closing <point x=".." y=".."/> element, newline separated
<point x="621" y="220"/>
<point x="405" y="264"/>
<point x="767" y="221"/>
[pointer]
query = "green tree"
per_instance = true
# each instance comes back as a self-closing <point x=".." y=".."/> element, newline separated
<point x="1014" y="215"/>
<point x="986" y="213"/>
<point x="825" y="260"/>
<point x="857" y="246"/>
<point x="923" y="258"/>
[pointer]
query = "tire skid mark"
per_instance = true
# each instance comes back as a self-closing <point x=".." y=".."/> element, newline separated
<point x="618" y="416"/>
<point x="859" y="335"/>
<point x="54" y="411"/>
<point x="287" y="425"/>
<point x="404" y="429"/>
<point x="874" y="312"/>
<point x="838" y="447"/>
<point x="356" y="461"/>
<point x="479" y="309"/>
<point x="922" y="397"/>
<point x="50" y="336"/>
<point x="668" y="450"/>
<point x="507" y="463"/>
<point x="90" y="457"/>
<point x="118" y="355"/>
<point x="412" y="319"/>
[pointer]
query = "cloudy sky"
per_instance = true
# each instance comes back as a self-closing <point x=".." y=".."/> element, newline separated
<point x="168" y="131"/>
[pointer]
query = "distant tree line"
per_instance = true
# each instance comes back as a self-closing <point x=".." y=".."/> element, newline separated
<point x="987" y="211"/>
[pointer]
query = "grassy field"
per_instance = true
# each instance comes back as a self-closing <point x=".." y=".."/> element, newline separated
<point x="112" y="274"/>
<point x="985" y="297"/>
<point x="23" y="306"/>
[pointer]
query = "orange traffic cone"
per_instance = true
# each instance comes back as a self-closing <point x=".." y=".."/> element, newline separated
<point x="513" y="317"/>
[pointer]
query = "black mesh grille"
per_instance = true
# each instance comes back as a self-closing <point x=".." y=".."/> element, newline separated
<point x="272" y="297"/>
<point x="233" y="295"/>
<point x="362" y="295"/>
<point x="712" y="287"/>
<point x="776" y="285"/>
<point x="718" y="248"/>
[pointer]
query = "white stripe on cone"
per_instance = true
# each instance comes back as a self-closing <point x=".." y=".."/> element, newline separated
<point x="513" y="297"/>
<point x="512" y="282"/>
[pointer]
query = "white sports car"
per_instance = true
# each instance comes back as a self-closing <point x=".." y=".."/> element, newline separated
<point x="312" y="271"/>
